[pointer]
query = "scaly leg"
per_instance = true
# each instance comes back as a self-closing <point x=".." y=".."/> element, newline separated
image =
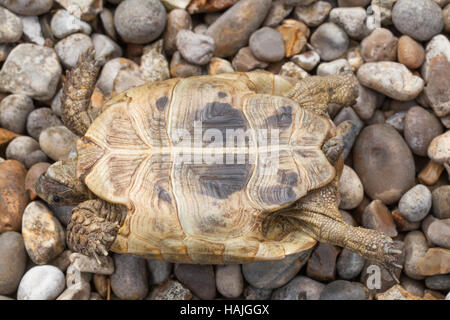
<point x="76" y="111"/>
<point x="315" y="93"/>
<point x="94" y="226"/>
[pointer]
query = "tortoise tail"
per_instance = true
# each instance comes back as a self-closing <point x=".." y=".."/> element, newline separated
<point x="77" y="91"/>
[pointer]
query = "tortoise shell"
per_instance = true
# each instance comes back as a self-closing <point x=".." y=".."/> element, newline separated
<point x="190" y="196"/>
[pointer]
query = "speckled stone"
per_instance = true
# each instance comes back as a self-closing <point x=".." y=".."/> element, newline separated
<point x="41" y="119"/>
<point x="129" y="280"/>
<point x="14" y="110"/>
<point x="441" y="202"/>
<point x="380" y="45"/>
<point x="41" y="283"/>
<point x="57" y="142"/>
<point x="299" y="288"/>
<point x="415" y="203"/>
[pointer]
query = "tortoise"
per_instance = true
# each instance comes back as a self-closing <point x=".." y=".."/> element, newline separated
<point x="149" y="177"/>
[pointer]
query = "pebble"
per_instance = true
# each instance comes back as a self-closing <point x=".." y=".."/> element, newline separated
<point x="419" y="19"/>
<point x="295" y="34"/>
<point x="172" y="4"/>
<point x="383" y="162"/>
<point x="390" y="78"/>
<point x="129" y="280"/>
<point x="274" y="274"/>
<point x="12" y="191"/>
<point x="154" y="65"/>
<point x="438" y="282"/>
<point x="107" y="20"/>
<point x="299" y="288"/>
<point x="62" y="261"/>
<point x="180" y="68"/>
<point x="436" y="91"/>
<point x="380" y="45"/>
<point x="28" y="7"/>
<point x="140" y="21"/>
<point x="14" y="110"/>
<point x="267" y="45"/>
<point x="13" y="260"/>
<point x="322" y="263"/>
<point x="32" y="31"/>
<point x="349" y="264"/>
<point x="378" y="217"/>
<point x="352" y="20"/>
<point x="86" y="10"/>
<point x="39" y="76"/>
<point x="350" y="189"/>
<point x="344" y="290"/>
<point x="159" y="271"/>
<point x="245" y="61"/>
<point x="105" y="48"/>
<point x="20" y="148"/>
<point x="118" y="75"/>
<point x="430" y="174"/>
<point x="56" y="103"/>
<point x="41" y="119"/>
<point x="446" y="14"/>
<point x="170" y="290"/>
<point x="43" y="234"/>
<point x="290" y="69"/>
<point x="410" y="52"/>
<point x="219" y="65"/>
<point x="415" y="249"/>
<point x="90" y="265"/>
<point x="197" y="278"/>
<point x="75" y="276"/>
<point x="437" y="231"/>
<point x="397" y="120"/>
<point x="403" y="224"/>
<point x="396" y="293"/>
<point x="436" y="261"/>
<point x="70" y="48"/>
<point x="63" y="213"/>
<point x="253" y="293"/>
<point x="278" y="11"/>
<point x="330" y="41"/>
<point x="438" y="46"/>
<point x="413" y="286"/>
<point x="415" y="203"/>
<point x="421" y="127"/>
<point x="366" y="103"/>
<point x="441" y="202"/>
<point x="195" y="48"/>
<point x="101" y="284"/>
<point x="313" y="14"/>
<point x="348" y="114"/>
<point x="232" y="30"/>
<point x="64" y="24"/>
<point x="10" y="25"/>
<point x="41" y="283"/>
<point x="32" y="177"/>
<point x="80" y="291"/>
<point x="339" y="66"/>
<point x="57" y="142"/>
<point x="177" y="19"/>
<point x="439" y="148"/>
<point x="229" y="280"/>
<point x="307" y="60"/>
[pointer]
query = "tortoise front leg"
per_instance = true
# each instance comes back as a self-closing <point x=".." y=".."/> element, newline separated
<point x="94" y="226"/>
<point x="76" y="111"/>
<point x="316" y="92"/>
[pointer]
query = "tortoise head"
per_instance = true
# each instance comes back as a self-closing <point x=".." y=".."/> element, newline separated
<point x="59" y="185"/>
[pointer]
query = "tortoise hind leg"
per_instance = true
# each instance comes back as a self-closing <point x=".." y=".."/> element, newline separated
<point x="94" y="226"/>
<point x="315" y="93"/>
<point x="76" y="113"/>
<point x="317" y="215"/>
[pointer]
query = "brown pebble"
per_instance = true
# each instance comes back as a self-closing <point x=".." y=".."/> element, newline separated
<point x="380" y="45"/>
<point x="101" y="284"/>
<point x="378" y="217"/>
<point x="410" y="52"/>
<point x="6" y="136"/>
<point x="435" y="261"/>
<point x="403" y="224"/>
<point x="322" y="263"/>
<point x="177" y="20"/>
<point x="200" y="6"/>
<point x="13" y="196"/>
<point x="32" y="177"/>
<point x="245" y="61"/>
<point x="431" y="173"/>
<point x="295" y="35"/>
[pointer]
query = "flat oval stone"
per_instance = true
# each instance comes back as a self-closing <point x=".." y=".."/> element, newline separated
<point x="233" y="28"/>
<point x="420" y="19"/>
<point x="267" y="45"/>
<point x="13" y="259"/>
<point x="159" y="271"/>
<point x="229" y="280"/>
<point x="380" y="45"/>
<point x="350" y="188"/>
<point x="12" y="191"/>
<point x="439" y="148"/>
<point x="129" y="281"/>
<point x="349" y="264"/>
<point x="199" y="279"/>
<point x="195" y="48"/>
<point x="330" y="41"/>
<point x="57" y="142"/>
<point x="421" y="127"/>
<point x="344" y="290"/>
<point x="14" y="110"/>
<point x="70" y="48"/>
<point x="299" y="288"/>
<point x="41" y="119"/>
<point x="41" y="283"/>
<point x="274" y="274"/>
<point x="415" y="203"/>
<point x="43" y="234"/>
<point x="410" y="52"/>
<point x="384" y="163"/>
<point x="390" y="78"/>
<point x="38" y="78"/>
<point x="415" y="249"/>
